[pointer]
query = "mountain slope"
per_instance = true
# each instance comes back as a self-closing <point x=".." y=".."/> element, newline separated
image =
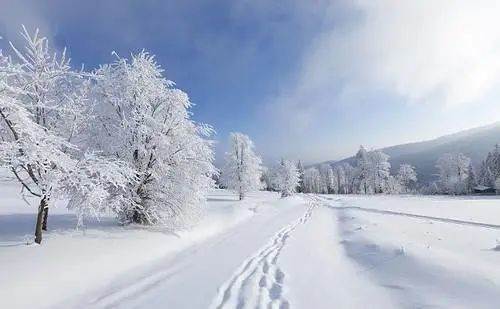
<point x="474" y="143"/>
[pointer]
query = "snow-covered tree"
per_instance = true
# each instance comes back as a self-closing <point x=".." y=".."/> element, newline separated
<point x="380" y="170"/>
<point x="485" y="176"/>
<point x="471" y="179"/>
<point x="145" y="121"/>
<point x="350" y="175"/>
<point x="42" y="114"/>
<point x="372" y="171"/>
<point x="243" y="169"/>
<point x="393" y="185"/>
<point x="340" y="178"/>
<point x="490" y="168"/>
<point x="453" y="173"/>
<point x="300" y="169"/>
<point x="364" y="170"/>
<point x="328" y="179"/>
<point x="287" y="178"/>
<point x="312" y="181"/>
<point x="266" y="179"/>
<point x="406" y="177"/>
<point x="332" y="182"/>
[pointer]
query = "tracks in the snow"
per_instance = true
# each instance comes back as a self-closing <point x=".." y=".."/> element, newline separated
<point x="409" y="215"/>
<point x="259" y="281"/>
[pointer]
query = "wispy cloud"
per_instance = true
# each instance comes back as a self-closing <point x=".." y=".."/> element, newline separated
<point x="440" y="52"/>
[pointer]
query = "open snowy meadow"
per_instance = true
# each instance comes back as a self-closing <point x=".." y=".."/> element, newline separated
<point x="303" y="251"/>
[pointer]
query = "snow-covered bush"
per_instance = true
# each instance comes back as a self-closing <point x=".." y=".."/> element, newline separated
<point x="242" y="170"/>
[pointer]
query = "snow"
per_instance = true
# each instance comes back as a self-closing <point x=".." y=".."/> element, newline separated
<point x="72" y="263"/>
<point x="425" y="262"/>
<point x="304" y="251"/>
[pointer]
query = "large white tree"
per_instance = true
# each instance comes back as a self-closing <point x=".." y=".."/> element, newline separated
<point x="43" y="113"/>
<point x="379" y="167"/>
<point x="406" y="176"/>
<point x="372" y="171"/>
<point x="453" y="173"/>
<point x="242" y="170"/>
<point x="287" y="178"/>
<point x="145" y="121"/>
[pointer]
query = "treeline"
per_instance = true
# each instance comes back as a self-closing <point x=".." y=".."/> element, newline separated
<point x="457" y="175"/>
<point x="370" y="175"/>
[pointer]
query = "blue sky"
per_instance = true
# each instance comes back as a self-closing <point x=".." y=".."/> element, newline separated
<point x="308" y="80"/>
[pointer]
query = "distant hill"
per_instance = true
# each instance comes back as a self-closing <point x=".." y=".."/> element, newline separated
<point x="474" y="143"/>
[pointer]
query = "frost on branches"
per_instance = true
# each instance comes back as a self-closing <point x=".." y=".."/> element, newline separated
<point x="453" y="173"/>
<point x="312" y="181"/>
<point x="119" y="139"/>
<point x="42" y="116"/>
<point x="286" y="178"/>
<point x="145" y="121"/>
<point x="406" y="177"/>
<point x="242" y="170"/>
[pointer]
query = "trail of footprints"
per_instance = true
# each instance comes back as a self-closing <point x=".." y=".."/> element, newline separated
<point x="258" y="283"/>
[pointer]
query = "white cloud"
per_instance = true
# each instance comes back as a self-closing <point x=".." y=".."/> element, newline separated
<point x="440" y="52"/>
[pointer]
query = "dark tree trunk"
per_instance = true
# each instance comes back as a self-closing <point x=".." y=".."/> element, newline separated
<point x="242" y="195"/>
<point x="39" y="220"/>
<point x="138" y="217"/>
<point x="45" y="215"/>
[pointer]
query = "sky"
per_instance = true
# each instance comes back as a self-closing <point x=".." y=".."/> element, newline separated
<point x="305" y="79"/>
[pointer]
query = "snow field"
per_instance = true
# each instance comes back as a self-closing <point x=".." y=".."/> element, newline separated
<point x="305" y="251"/>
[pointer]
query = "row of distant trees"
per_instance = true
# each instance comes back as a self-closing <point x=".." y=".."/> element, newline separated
<point x="457" y="174"/>
<point x="489" y="170"/>
<point x="370" y="174"/>
<point x="244" y="172"/>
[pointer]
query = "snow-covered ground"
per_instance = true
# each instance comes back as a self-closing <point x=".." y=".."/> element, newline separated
<point x="305" y="251"/>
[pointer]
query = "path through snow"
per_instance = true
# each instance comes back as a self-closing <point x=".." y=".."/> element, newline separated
<point x="259" y="282"/>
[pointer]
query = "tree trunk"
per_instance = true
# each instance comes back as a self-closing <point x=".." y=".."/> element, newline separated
<point x="39" y="220"/>
<point x="45" y="215"/>
<point x="242" y="195"/>
<point x="138" y="217"/>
